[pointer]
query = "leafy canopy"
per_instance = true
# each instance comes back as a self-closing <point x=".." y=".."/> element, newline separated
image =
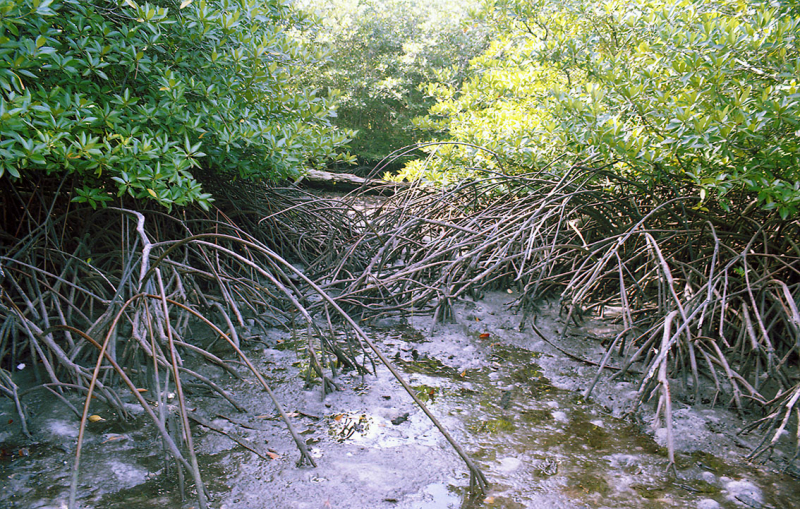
<point x="382" y="51"/>
<point x="695" y="91"/>
<point x="132" y="96"/>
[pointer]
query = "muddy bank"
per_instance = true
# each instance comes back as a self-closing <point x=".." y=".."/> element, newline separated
<point x="509" y="397"/>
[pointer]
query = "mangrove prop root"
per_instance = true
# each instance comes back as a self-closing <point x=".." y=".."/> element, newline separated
<point x="701" y="293"/>
<point x="732" y="277"/>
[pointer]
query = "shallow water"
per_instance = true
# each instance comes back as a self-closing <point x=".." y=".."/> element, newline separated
<point x="539" y="443"/>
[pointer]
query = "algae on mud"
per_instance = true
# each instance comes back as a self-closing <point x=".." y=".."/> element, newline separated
<point x="552" y="449"/>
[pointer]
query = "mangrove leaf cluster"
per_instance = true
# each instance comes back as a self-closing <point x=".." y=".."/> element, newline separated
<point x="131" y="96"/>
<point x="698" y="91"/>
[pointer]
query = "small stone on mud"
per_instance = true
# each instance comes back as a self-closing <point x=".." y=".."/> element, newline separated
<point x="708" y="477"/>
<point x="400" y="419"/>
<point x="745" y="492"/>
<point x="509" y="464"/>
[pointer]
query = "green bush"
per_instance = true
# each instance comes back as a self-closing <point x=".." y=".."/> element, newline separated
<point x="700" y="92"/>
<point x="131" y="97"/>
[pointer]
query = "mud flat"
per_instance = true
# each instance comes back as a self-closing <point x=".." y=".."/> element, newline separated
<point x="513" y="400"/>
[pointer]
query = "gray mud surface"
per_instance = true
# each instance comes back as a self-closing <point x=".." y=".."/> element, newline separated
<point x="512" y="400"/>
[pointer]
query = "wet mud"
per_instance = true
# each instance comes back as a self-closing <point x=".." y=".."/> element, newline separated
<point x="513" y="402"/>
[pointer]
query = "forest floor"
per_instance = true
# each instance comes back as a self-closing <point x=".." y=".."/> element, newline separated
<point x="513" y="400"/>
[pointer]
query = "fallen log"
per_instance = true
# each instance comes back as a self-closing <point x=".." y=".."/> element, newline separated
<point x="348" y="182"/>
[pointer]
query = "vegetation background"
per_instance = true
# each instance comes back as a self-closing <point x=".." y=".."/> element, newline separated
<point x="129" y="98"/>
<point x="384" y="52"/>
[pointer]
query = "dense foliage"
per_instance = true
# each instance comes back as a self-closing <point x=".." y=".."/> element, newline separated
<point x="130" y="97"/>
<point x="695" y="92"/>
<point x="383" y="50"/>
